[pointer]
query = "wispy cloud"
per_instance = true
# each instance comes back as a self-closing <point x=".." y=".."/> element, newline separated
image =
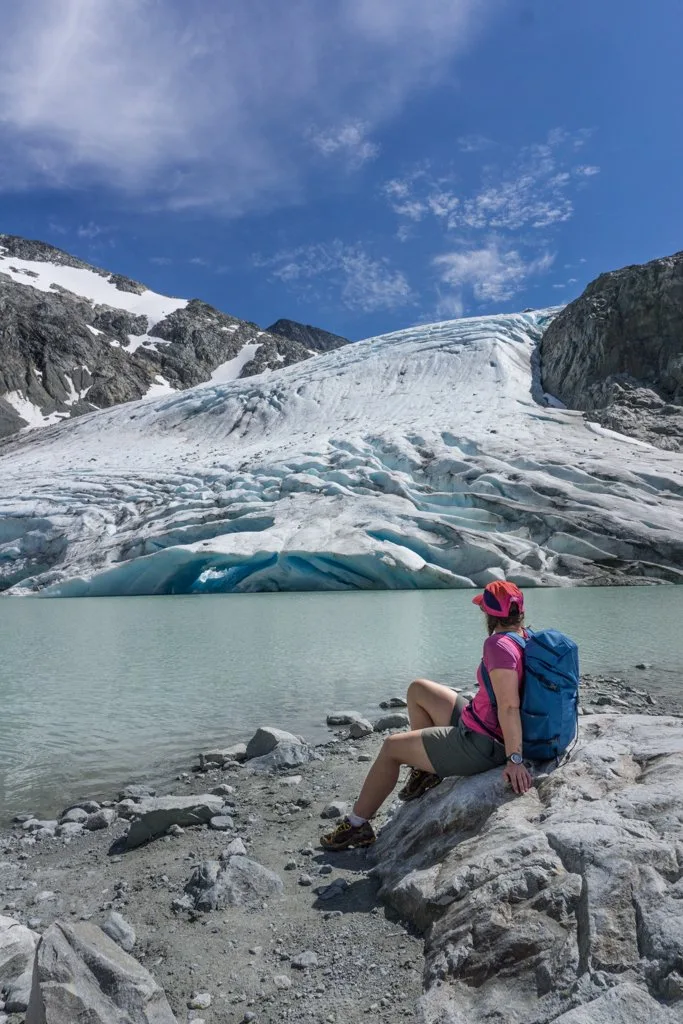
<point x="161" y="261"/>
<point x="498" y="233"/>
<point x="348" y="143"/>
<point x="199" y="104"/>
<point x="494" y="273"/>
<point x="362" y="282"/>
<point x="91" y="230"/>
<point x="474" y="143"/>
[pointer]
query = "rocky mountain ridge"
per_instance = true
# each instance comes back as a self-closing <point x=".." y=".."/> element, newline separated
<point x="75" y="338"/>
<point x="617" y="352"/>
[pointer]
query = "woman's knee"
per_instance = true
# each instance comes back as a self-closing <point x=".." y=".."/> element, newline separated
<point x="417" y="687"/>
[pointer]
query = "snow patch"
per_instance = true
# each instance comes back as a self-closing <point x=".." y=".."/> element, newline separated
<point x="160" y="388"/>
<point x="89" y="285"/>
<point x="233" y="367"/>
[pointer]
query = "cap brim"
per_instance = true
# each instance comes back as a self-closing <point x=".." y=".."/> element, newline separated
<point x="479" y="599"/>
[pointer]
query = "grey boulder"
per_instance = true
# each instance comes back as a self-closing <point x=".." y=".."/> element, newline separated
<point x="394" y="702"/>
<point x="101" y="819"/>
<point x="137" y="792"/>
<point x="236" y="882"/>
<point x="336" y="809"/>
<point x="17" y="951"/>
<point x="285" y="755"/>
<point x="159" y="813"/>
<point x="360" y="727"/>
<point x="343" y="718"/>
<point x="118" y="929"/>
<point x="75" y="815"/>
<point x="266" y="739"/>
<point x="399" y="720"/>
<point x="534" y="906"/>
<point x="82" y="975"/>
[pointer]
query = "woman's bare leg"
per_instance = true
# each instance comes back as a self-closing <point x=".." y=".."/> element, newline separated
<point x="401" y="748"/>
<point x="429" y="704"/>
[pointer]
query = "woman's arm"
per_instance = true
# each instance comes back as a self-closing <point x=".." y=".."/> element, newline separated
<point x="505" y="684"/>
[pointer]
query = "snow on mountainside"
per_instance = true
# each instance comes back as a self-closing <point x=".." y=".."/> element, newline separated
<point x="417" y="459"/>
<point x="74" y="338"/>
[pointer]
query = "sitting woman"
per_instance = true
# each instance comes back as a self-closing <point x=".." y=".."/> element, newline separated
<point x="449" y="736"/>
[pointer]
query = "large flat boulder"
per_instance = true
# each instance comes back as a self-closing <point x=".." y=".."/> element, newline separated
<point x="17" y="951"/>
<point x="157" y="814"/>
<point x="542" y="907"/>
<point x="82" y="975"/>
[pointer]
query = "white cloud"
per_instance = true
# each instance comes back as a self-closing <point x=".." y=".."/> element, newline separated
<point x="474" y="143"/>
<point x="161" y="261"/>
<point x="348" y="143"/>
<point x="361" y="281"/>
<point x="493" y="272"/>
<point x="202" y="104"/>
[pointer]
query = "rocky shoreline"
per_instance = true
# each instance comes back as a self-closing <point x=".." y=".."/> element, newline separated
<point x="238" y="916"/>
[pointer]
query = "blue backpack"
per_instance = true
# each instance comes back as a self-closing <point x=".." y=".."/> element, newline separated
<point x="550" y="693"/>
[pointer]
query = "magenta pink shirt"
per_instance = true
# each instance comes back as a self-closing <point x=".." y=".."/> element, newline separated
<point x="500" y="651"/>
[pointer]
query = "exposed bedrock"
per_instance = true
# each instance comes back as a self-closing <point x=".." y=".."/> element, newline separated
<point x="563" y="905"/>
<point x="617" y="351"/>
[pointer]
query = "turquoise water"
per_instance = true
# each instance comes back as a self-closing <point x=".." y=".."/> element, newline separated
<point x="95" y="693"/>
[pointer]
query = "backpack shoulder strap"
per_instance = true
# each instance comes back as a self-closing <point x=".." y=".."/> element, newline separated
<point x="485" y="674"/>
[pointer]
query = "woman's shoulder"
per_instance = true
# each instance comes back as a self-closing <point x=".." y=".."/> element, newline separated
<point x="502" y="647"/>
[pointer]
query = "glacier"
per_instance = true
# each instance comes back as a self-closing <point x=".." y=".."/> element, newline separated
<point x="424" y="458"/>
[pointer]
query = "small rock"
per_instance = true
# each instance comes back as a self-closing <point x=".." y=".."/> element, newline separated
<point x="19" y="819"/>
<point x="643" y="665"/>
<point x="394" y="702"/>
<point x="398" y="720"/>
<point x="336" y="809"/>
<point x="175" y="830"/>
<point x="100" y="819"/>
<point x="199" y="1001"/>
<point x="364" y="757"/>
<point x="236" y="848"/>
<point x="219" y="758"/>
<point x="306" y="960"/>
<point x="360" y="727"/>
<point x="291" y="865"/>
<point x="282" y="981"/>
<point x="118" y="929"/>
<point x="305" y="880"/>
<point x="127" y="808"/>
<point x="223" y="790"/>
<point x="91" y="806"/>
<point x="343" y="718"/>
<point x="182" y="903"/>
<point x="222" y="823"/>
<point x="325" y="869"/>
<point x="336" y="888"/>
<point x="74" y="815"/>
<point x="291" y="780"/>
<point x="137" y="793"/>
<point x="255" y="950"/>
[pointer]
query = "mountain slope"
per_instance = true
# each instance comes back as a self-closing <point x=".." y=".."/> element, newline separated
<point x="313" y="338"/>
<point x="617" y="351"/>
<point x="74" y="338"/>
<point x="418" y="459"/>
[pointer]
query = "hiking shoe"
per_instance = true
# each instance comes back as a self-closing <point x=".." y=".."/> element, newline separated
<point x="346" y="835"/>
<point x="418" y="783"/>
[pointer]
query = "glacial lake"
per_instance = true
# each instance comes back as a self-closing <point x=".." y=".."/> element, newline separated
<point x="95" y="693"/>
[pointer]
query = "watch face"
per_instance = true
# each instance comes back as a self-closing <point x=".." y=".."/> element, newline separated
<point x="516" y="758"/>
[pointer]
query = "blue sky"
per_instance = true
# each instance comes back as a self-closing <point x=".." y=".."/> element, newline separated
<point x="362" y="165"/>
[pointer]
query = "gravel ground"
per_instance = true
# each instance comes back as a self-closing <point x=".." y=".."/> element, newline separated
<point x="367" y="964"/>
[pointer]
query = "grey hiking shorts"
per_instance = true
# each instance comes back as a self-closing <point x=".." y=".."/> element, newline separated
<point x="456" y="750"/>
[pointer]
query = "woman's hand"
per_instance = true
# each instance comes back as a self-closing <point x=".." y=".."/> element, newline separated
<point x="518" y="776"/>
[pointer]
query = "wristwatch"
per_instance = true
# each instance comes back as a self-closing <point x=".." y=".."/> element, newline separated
<point x="515" y="758"/>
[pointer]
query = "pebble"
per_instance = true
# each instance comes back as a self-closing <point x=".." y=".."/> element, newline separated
<point x="282" y="981"/>
<point x="175" y="830"/>
<point x="304" y="961"/>
<point x="325" y="869"/>
<point x="364" y="757"/>
<point x="291" y="780"/>
<point x="394" y="702"/>
<point x="291" y="865"/>
<point x="305" y="880"/>
<point x="199" y="1001"/>
<point x="100" y="819"/>
<point x="336" y="888"/>
<point x="234" y="848"/>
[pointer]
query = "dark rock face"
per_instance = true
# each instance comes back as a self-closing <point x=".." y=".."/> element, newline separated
<point x="312" y="338"/>
<point x="65" y="355"/>
<point x="617" y="351"/>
